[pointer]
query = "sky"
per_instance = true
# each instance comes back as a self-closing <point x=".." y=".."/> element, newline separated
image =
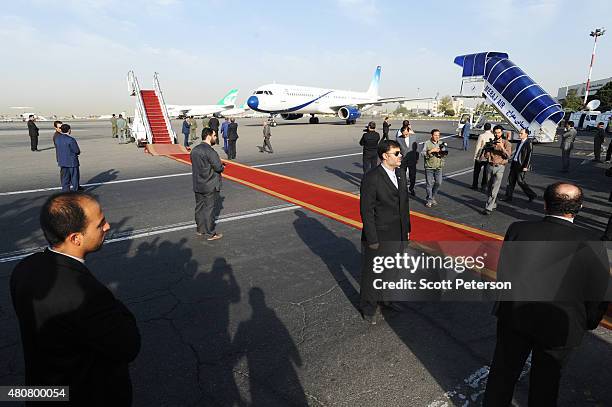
<point x="72" y="56"/>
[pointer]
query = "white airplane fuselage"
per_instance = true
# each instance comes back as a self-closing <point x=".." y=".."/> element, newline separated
<point x="291" y="99"/>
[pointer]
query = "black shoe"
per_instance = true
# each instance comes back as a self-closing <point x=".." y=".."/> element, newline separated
<point x="81" y="188"/>
<point x="531" y="198"/>
<point x="475" y="187"/>
<point x="486" y="212"/>
<point x="412" y="192"/>
<point x="370" y="319"/>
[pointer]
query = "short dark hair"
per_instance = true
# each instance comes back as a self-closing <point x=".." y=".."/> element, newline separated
<point x="600" y="123"/>
<point x="55" y="123"/>
<point x="62" y="214"/>
<point x="525" y="130"/>
<point x="558" y="203"/>
<point x="570" y="123"/>
<point x="65" y="128"/>
<point x="30" y="116"/>
<point x="487" y="126"/>
<point x="207" y="131"/>
<point x="498" y="127"/>
<point x="386" y="145"/>
<point x="434" y="130"/>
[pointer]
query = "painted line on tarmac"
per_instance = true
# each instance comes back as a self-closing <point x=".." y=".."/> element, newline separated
<point x="158" y="230"/>
<point x="450" y="174"/>
<point x="319" y="158"/>
<point x="95" y="184"/>
<point x="305" y="161"/>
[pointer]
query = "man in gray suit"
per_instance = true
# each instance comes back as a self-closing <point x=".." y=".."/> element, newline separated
<point x="567" y="143"/>
<point x="206" y="170"/>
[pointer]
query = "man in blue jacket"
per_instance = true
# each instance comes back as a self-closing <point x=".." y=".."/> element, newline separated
<point x="185" y="131"/>
<point x="68" y="159"/>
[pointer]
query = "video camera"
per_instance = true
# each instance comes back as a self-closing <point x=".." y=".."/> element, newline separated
<point x="490" y="145"/>
<point x="443" y="150"/>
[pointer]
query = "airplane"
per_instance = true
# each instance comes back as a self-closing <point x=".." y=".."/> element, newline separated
<point x="227" y="102"/>
<point x="239" y="111"/>
<point x="293" y="102"/>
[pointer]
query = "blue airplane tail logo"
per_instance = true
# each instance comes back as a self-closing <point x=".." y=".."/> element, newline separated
<point x="374" y="85"/>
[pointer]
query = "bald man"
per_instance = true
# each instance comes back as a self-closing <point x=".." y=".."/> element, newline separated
<point x="568" y="272"/>
<point x="74" y="331"/>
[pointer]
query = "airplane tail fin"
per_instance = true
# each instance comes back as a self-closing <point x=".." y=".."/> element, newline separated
<point x="374" y="85"/>
<point x="229" y="98"/>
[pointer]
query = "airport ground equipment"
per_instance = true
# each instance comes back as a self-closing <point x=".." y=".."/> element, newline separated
<point x="517" y="97"/>
<point x="151" y="121"/>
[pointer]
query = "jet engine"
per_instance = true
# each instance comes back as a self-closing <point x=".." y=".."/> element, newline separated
<point x="349" y="113"/>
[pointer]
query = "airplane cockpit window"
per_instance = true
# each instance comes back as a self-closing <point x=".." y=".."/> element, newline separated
<point x="259" y="92"/>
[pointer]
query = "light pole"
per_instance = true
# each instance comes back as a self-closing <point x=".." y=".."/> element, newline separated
<point x="597" y="33"/>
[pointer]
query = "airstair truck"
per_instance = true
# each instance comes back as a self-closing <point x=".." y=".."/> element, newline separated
<point x="521" y="101"/>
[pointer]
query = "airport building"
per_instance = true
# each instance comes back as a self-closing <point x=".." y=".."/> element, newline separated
<point x="581" y="88"/>
<point x="430" y="106"/>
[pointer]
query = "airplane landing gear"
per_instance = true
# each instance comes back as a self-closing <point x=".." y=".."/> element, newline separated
<point x="351" y="121"/>
<point x="313" y="120"/>
<point x="271" y="121"/>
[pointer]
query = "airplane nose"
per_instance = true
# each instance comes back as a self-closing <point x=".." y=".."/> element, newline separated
<point x="253" y="102"/>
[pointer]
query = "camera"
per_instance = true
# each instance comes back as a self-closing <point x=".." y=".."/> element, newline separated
<point x="490" y="145"/>
<point x="443" y="150"/>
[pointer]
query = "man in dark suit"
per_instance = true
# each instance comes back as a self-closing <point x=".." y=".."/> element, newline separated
<point x="213" y="123"/>
<point x="33" y="132"/>
<point x="385" y="215"/>
<point x="369" y="141"/>
<point x="232" y="136"/>
<point x="552" y="327"/>
<point x="68" y="158"/>
<point x="206" y="169"/>
<point x="520" y="164"/>
<point x="74" y="331"/>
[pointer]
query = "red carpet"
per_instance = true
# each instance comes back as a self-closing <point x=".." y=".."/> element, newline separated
<point x="428" y="231"/>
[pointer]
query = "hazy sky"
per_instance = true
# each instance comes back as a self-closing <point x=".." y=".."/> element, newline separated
<point x="72" y="56"/>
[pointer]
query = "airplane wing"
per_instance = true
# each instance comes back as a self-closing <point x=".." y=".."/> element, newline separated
<point x="377" y="102"/>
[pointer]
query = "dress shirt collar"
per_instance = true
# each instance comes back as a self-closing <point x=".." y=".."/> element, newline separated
<point x="391" y="174"/>
<point x="571" y="220"/>
<point x="82" y="261"/>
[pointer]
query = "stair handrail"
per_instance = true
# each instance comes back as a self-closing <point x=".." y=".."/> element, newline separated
<point x="134" y="89"/>
<point x="162" y="102"/>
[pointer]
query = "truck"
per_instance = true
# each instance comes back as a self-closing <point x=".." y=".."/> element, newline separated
<point x="588" y="119"/>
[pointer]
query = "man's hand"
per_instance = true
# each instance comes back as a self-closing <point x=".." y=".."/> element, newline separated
<point x="525" y="169"/>
<point x="408" y="236"/>
<point x="374" y="246"/>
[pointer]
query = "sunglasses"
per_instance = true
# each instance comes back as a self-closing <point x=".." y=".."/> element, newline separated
<point x="397" y="153"/>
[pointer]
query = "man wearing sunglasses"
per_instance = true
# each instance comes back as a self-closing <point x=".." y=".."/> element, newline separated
<point x="386" y="222"/>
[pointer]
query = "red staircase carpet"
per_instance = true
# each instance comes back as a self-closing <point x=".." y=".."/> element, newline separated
<point x="155" y="117"/>
<point x="427" y="231"/>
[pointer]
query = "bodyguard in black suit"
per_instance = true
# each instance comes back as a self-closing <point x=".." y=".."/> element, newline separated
<point x="385" y="214"/>
<point x="74" y="331"/>
<point x="520" y="164"/>
<point x="33" y="132"/>
<point x="232" y="137"/>
<point x="550" y="330"/>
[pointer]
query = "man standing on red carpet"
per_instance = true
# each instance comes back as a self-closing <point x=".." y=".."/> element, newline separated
<point x="206" y="170"/>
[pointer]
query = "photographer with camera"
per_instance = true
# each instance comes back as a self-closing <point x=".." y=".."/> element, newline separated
<point x="496" y="153"/>
<point x="435" y="153"/>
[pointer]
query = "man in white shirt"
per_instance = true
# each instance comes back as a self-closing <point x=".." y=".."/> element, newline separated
<point x="479" y="162"/>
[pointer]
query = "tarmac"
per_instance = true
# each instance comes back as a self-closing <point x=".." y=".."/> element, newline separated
<point x="267" y="315"/>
